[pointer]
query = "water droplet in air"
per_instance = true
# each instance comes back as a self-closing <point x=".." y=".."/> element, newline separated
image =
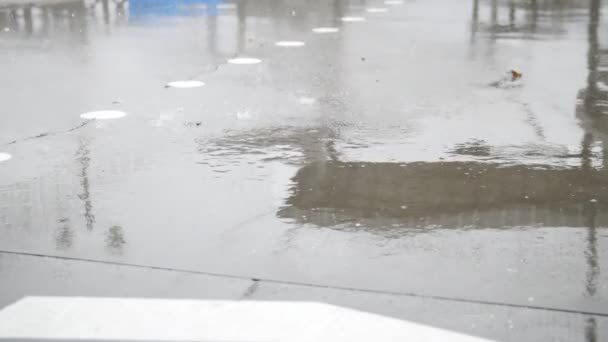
<point x="4" y="157"/>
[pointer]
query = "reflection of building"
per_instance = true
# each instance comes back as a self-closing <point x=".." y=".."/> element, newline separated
<point x="451" y="194"/>
<point x="523" y="19"/>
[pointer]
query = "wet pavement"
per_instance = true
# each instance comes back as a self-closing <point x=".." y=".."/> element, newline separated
<point x="375" y="164"/>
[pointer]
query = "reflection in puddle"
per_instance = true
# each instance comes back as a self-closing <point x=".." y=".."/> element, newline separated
<point x="445" y="194"/>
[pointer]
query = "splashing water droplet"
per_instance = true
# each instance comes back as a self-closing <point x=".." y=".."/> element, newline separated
<point x="325" y="30"/>
<point x="244" y="60"/>
<point x="185" y="84"/>
<point x="103" y="115"/>
<point x="4" y="157"/>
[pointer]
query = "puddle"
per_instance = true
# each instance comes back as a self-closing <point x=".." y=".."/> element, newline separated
<point x="290" y="43"/>
<point x="185" y="84"/>
<point x="325" y="30"/>
<point x="244" y="60"/>
<point x="376" y="10"/>
<point x="4" y="157"/>
<point x="103" y="115"/>
<point x="352" y="19"/>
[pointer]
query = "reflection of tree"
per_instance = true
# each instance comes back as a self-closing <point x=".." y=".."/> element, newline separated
<point x="83" y="157"/>
<point x="115" y="239"/>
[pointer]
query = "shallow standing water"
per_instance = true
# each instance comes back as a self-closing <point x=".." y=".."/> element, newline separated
<point x="380" y="156"/>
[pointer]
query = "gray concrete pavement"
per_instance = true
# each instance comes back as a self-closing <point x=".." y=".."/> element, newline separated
<point x="382" y="157"/>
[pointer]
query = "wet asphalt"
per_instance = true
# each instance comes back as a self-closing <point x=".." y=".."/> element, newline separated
<point x="385" y="164"/>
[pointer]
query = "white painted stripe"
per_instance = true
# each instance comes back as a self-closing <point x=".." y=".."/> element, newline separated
<point x="325" y="30"/>
<point x="128" y="319"/>
<point x="103" y="115"/>
<point x="352" y="19"/>
<point x="244" y="60"/>
<point x="290" y="43"/>
<point x="185" y="84"/>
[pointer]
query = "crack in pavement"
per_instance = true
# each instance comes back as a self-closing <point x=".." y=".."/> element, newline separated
<point x="46" y="134"/>
<point x="317" y="285"/>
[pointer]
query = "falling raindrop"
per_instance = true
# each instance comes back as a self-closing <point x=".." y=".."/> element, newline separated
<point x="325" y="30"/>
<point x="290" y="43"/>
<point x="103" y="115"/>
<point x="244" y="60"/>
<point x="185" y="84"/>
<point x="4" y="157"/>
<point x="352" y="19"/>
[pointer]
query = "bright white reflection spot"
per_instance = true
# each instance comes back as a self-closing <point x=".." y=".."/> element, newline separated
<point x="185" y="84"/>
<point x="306" y="100"/>
<point x="376" y="10"/>
<point x="4" y="156"/>
<point x="103" y="115"/>
<point x="352" y="19"/>
<point x="393" y="2"/>
<point x="289" y="43"/>
<point x="244" y="60"/>
<point x="325" y="30"/>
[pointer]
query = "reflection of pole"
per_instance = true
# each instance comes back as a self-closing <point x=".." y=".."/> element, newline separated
<point x="27" y="18"/>
<point x="242" y="18"/>
<point x="512" y="13"/>
<point x="474" y="20"/>
<point x="84" y="160"/>
<point x="105" y="5"/>
<point x="494" y="16"/>
<point x="592" y="57"/>
<point x="591" y="255"/>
